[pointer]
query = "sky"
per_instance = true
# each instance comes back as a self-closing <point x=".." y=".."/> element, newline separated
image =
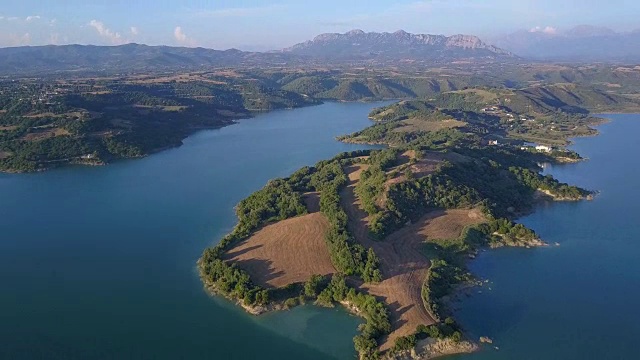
<point x="265" y="25"/>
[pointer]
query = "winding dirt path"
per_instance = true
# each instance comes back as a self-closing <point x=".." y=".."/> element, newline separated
<point x="403" y="265"/>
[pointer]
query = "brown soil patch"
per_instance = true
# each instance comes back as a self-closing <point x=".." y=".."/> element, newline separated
<point x="8" y="128"/>
<point x="443" y="224"/>
<point x="403" y="265"/>
<point x="420" y="124"/>
<point x="354" y="172"/>
<point x="226" y="73"/>
<point x="428" y="164"/>
<point x="42" y="134"/>
<point x="287" y="252"/>
<point x="5" y="154"/>
<point x="485" y="95"/>
<point x="42" y="115"/>
<point x="181" y="78"/>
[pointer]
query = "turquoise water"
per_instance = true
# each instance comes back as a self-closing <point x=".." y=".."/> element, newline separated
<point x="99" y="263"/>
<point x="577" y="300"/>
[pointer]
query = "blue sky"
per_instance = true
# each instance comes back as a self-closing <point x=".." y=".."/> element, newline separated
<point x="263" y="25"/>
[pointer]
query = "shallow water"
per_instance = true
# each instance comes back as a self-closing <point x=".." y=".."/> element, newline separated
<point x="99" y="263"/>
<point x="577" y="300"/>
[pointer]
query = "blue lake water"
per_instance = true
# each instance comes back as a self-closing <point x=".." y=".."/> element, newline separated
<point x="99" y="263"/>
<point x="577" y="300"/>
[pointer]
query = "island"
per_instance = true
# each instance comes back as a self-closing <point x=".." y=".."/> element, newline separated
<point x="387" y="233"/>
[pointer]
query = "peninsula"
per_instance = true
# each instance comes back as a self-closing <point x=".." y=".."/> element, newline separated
<point x="387" y="233"/>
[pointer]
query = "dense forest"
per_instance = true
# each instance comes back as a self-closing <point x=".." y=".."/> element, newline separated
<point x="94" y="121"/>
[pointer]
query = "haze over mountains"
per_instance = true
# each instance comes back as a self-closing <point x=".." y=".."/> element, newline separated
<point x="357" y="44"/>
<point x="127" y="57"/>
<point x="353" y="46"/>
<point x="581" y="44"/>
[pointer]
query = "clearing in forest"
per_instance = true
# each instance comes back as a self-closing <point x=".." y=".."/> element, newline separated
<point x="418" y="124"/>
<point x="286" y="252"/>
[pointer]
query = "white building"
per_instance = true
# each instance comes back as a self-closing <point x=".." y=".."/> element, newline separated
<point x="543" y="148"/>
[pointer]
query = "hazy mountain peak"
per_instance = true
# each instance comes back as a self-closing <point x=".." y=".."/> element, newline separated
<point x="355" y="32"/>
<point x="581" y="43"/>
<point x="589" y="30"/>
<point x="358" y="45"/>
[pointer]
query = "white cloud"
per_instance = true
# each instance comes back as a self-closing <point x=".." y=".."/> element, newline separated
<point x="32" y="17"/>
<point x="113" y="37"/>
<point x="134" y="31"/>
<point x="549" y="30"/>
<point x="179" y="35"/>
<point x="182" y="38"/>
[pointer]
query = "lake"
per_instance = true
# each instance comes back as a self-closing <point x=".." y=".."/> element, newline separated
<point x="99" y="263"/>
<point x="576" y="300"/>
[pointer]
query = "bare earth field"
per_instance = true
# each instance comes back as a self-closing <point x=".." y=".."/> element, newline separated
<point x="403" y="265"/>
<point x="419" y="124"/>
<point x="287" y="252"/>
<point x="45" y="133"/>
<point x="421" y="168"/>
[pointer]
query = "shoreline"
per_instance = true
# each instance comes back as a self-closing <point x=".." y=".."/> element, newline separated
<point x="434" y="346"/>
<point x="429" y="348"/>
<point x="193" y="130"/>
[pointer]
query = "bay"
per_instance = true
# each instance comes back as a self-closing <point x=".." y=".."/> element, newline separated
<point x="99" y="263"/>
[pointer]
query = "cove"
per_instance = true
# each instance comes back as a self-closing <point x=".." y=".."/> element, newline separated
<point x="99" y="263"/>
<point x="577" y="300"/>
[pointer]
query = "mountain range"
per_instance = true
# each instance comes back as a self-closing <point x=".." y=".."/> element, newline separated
<point x="353" y="46"/>
<point x="129" y="57"/>
<point x="580" y="44"/>
<point x="400" y="45"/>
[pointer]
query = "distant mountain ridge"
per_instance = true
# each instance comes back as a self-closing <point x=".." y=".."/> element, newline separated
<point x="359" y="45"/>
<point x="354" y="46"/>
<point x="582" y="43"/>
<point x="48" y="58"/>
